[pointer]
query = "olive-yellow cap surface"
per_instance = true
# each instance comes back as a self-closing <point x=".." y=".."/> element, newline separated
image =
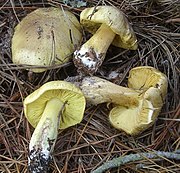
<point x="145" y="77"/>
<point x="45" y="37"/>
<point x="69" y="94"/>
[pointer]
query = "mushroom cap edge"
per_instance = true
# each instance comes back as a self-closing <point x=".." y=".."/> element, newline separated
<point x="74" y="109"/>
<point x="91" y="18"/>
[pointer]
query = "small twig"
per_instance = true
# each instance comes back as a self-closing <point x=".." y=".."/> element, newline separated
<point x="117" y="162"/>
<point x="173" y="20"/>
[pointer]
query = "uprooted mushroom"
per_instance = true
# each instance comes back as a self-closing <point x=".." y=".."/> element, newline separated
<point x="109" y="26"/>
<point x="55" y="105"/>
<point x="45" y="37"/>
<point x="134" y="108"/>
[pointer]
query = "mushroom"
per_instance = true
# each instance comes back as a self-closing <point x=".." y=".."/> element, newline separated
<point x="46" y="37"/>
<point x="134" y="108"/>
<point x="56" y="104"/>
<point x="109" y="25"/>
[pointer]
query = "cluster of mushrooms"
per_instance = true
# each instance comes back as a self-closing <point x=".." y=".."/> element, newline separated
<point x="61" y="104"/>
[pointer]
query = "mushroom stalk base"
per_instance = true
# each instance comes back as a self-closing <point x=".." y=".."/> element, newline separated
<point x="92" y="53"/>
<point x="44" y="137"/>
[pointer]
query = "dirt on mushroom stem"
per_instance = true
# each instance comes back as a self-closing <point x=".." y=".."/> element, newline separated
<point x="92" y="53"/>
<point x="44" y="137"/>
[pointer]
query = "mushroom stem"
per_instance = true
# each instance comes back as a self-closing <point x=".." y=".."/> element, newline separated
<point x="92" y="53"/>
<point x="97" y="90"/>
<point x="44" y="136"/>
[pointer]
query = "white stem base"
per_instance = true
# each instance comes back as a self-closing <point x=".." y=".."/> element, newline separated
<point x="92" y="53"/>
<point x="87" y="59"/>
<point x="44" y="136"/>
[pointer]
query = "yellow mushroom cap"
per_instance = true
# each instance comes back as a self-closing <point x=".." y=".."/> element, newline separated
<point x="145" y="77"/>
<point x="46" y="36"/>
<point x="153" y="86"/>
<point x="92" y="18"/>
<point x="68" y="93"/>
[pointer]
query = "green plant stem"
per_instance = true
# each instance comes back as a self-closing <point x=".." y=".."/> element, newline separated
<point x="117" y="162"/>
